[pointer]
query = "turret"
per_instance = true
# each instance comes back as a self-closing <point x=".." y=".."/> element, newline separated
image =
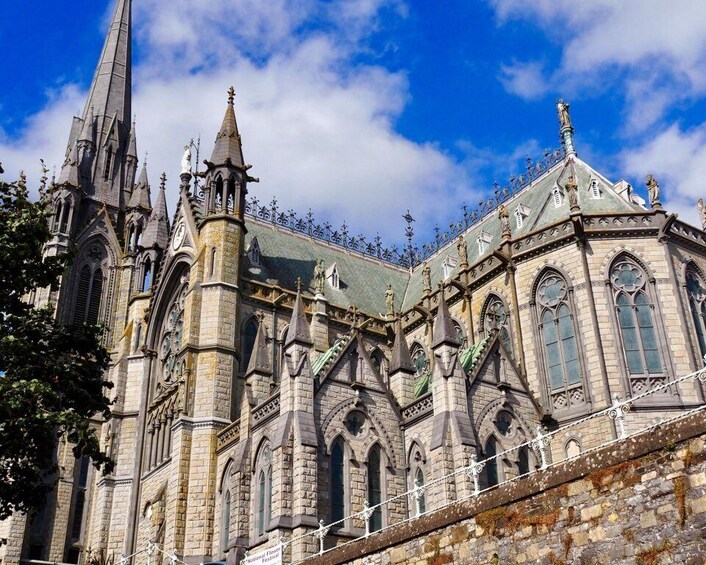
<point x="401" y="368"/>
<point x="226" y="175"/>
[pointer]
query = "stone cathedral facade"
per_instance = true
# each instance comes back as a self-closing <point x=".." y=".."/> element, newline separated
<point x="271" y="372"/>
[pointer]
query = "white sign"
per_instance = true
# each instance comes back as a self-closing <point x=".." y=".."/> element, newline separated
<point x="272" y="556"/>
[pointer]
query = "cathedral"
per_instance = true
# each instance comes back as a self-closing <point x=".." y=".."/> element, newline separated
<point x="271" y="372"/>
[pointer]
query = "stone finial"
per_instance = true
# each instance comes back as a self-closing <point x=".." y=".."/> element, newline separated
<point x="260" y="361"/>
<point x="444" y="331"/>
<point x="572" y="192"/>
<point x="298" y="331"/>
<point x="653" y="191"/>
<point x="231" y="95"/>
<point x="504" y="216"/>
<point x="401" y="357"/>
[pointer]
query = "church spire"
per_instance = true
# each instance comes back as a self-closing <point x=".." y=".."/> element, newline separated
<point x="227" y="146"/>
<point x="110" y="93"/>
<point x="140" y="197"/>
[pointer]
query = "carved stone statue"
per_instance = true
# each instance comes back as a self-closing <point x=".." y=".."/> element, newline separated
<point x="562" y="109"/>
<point x="504" y="216"/>
<point x="653" y="190"/>
<point x="462" y="252"/>
<point x="426" y="278"/>
<point x="702" y="212"/>
<point x="319" y="277"/>
<point x="572" y="192"/>
<point x="390" y="301"/>
<point x="186" y="160"/>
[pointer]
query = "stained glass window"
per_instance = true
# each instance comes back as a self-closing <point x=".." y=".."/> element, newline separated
<point x="375" y="487"/>
<point x="337" y="483"/>
<point x="558" y="332"/>
<point x="635" y="316"/>
<point x="697" y="305"/>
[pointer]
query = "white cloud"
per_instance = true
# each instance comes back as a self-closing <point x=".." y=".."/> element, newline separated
<point x="318" y="129"/>
<point x="652" y="51"/>
<point x="525" y="80"/>
<point x="678" y="159"/>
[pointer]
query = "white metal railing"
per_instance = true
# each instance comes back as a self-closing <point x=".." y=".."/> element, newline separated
<point x="539" y="445"/>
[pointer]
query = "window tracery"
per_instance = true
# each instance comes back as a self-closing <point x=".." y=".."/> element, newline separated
<point x="497" y="319"/>
<point x="557" y="329"/>
<point x="634" y="312"/>
<point x="696" y="293"/>
<point x="171" y="338"/>
<point x="422" y="380"/>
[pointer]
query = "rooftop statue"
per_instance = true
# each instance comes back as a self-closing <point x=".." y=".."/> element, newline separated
<point x="186" y="160"/>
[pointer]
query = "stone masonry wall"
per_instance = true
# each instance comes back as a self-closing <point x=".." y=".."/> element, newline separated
<point x="640" y="501"/>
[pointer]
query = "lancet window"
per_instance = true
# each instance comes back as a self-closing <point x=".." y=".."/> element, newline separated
<point x="497" y="318"/>
<point x="696" y="293"/>
<point x="422" y="379"/>
<point x="263" y="470"/>
<point x="634" y="312"/>
<point x="337" y="484"/>
<point x="557" y="330"/>
<point x="375" y="476"/>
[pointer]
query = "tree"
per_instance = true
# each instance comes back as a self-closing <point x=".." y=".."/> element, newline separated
<point x="52" y="376"/>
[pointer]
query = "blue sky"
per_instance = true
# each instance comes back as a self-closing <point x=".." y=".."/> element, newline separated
<point x="360" y="109"/>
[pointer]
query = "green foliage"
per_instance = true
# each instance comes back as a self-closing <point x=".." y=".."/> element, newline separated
<point x="53" y="381"/>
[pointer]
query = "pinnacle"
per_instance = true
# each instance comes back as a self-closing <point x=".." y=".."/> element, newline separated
<point x="444" y="332"/>
<point x="227" y="145"/>
<point x="298" y="331"/>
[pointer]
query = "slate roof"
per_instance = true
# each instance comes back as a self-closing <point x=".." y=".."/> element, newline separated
<point x="286" y="256"/>
<point x="536" y="196"/>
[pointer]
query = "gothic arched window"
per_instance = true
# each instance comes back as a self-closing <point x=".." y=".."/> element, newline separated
<point x="264" y="489"/>
<point x="422" y="378"/>
<point x="247" y="342"/>
<point x="88" y="296"/>
<point x="337" y="484"/>
<point x="635" y="317"/>
<point x="375" y="487"/>
<point x="379" y="361"/>
<point x="172" y="334"/>
<point x="497" y="318"/>
<point x="147" y="275"/>
<point x="557" y="329"/>
<point x="490" y="469"/>
<point x="57" y="216"/>
<point x="696" y="292"/>
<point x="460" y="333"/>
<point x="225" y="529"/>
<point x="419" y="482"/>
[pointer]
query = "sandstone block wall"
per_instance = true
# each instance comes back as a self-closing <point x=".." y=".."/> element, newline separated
<point x="642" y="501"/>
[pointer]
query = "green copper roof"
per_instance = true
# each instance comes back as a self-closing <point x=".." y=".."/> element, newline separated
<point x="322" y="360"/>
<point x="421" y="383"/>
<point x="469" y="356"/>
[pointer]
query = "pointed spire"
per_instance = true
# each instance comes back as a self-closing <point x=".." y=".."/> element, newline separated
<point x="227" y="144"/>
<point x="132" y="146"/>
<point x="444" y="332"/>
<point x="111" y="88"/>
<point x="88" y="131"/>
<point x="401" y="358"/>
<point x="298" y="331"/>
<point x="260" y="359"/>
<point x="69" y="171"/>
<point x="157" y="231"/>
<point x="140" y="197"/>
